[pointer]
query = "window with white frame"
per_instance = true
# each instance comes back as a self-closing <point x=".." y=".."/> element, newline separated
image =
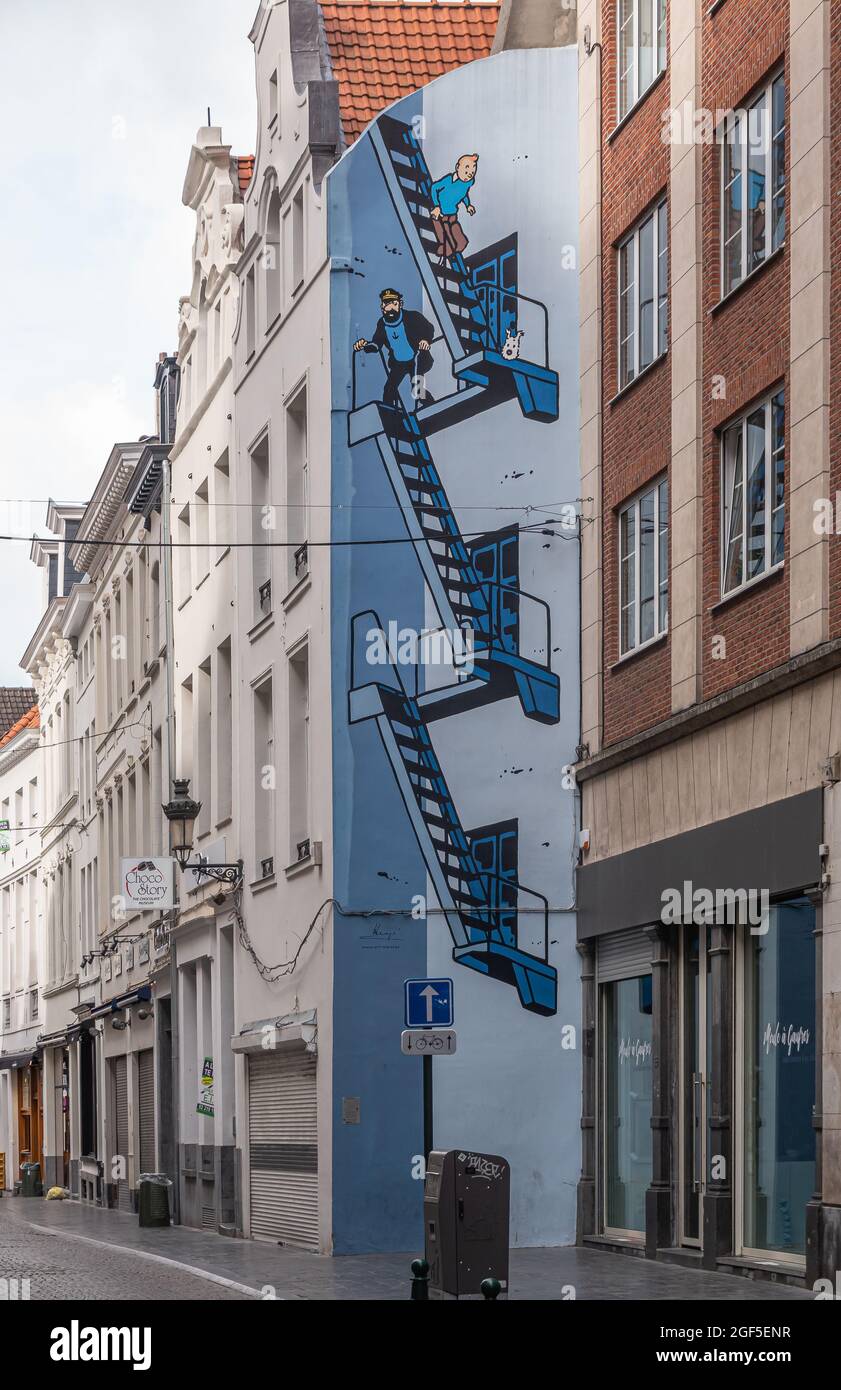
<point x="298" y="249"/>
<point x="250" y="313"/>
<point x="644" y="295"/>
<point x="753" y="494"/>
<point x="299" y="755"/>
<point x="644" y="567"/>
<point x="265" y="778"/>
<point x="753" y="184"/>
<point x="641" y="26"/>
<point x="297" y="430"/>
<point x="271" y="260"/>
<point x="201" y="518"/>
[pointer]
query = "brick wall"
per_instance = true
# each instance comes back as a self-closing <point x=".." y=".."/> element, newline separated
<point x="745" y="342"/>
<point x="637" y="425"/>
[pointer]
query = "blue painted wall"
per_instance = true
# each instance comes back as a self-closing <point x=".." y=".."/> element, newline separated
<point x="503" y="454"/>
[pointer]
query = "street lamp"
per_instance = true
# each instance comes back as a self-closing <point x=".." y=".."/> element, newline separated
<point x="182" y="813"/>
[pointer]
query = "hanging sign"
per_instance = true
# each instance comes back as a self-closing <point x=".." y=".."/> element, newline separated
<point x="147" y="883"/>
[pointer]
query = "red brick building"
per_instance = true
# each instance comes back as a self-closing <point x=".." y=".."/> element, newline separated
<point x="709" y="926"/>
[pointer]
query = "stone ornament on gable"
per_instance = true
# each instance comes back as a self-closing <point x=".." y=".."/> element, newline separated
<point x="232" y="223"/>
<point x="186" y="316"/>
<point x="203" y="233"/>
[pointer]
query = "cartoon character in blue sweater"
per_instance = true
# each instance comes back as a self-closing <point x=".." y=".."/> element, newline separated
<point x="448" y="194"/>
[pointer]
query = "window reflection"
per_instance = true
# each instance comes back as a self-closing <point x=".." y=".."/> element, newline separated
<point x="627" y="1112"/>
<point x="780" y="1079"/>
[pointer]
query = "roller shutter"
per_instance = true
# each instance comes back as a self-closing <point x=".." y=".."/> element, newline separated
<point x="622" y="955"/>
<point x="120" y="1098"/>
<point x="283" y="1141"/>
<point x="146" y="1102"/>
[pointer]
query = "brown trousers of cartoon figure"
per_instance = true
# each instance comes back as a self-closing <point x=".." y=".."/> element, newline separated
<point x="450" y="235"/>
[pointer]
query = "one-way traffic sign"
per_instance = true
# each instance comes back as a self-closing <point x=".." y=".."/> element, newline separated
<point x="429" y="1003"/>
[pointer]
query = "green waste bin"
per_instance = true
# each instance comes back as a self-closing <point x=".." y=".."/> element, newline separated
<point x="31" y="1181"/>
<point x="153" y="1199"/>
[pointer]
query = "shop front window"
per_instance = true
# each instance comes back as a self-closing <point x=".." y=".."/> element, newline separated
<point x="780" y="1080"/>
<point x="627" y="1101"/>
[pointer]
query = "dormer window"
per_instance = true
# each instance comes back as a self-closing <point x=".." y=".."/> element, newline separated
<point x="52" y="570"/>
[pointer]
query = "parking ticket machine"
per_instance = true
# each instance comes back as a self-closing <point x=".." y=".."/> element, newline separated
<point x="465" y="1210"/>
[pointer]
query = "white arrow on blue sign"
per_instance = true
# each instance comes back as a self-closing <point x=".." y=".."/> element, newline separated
<point x="429" y="1003"/>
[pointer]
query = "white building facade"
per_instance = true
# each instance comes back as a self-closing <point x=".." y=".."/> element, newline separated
<point x="125" y="1076"/>
<point x="50" y="659"/>
<point x="21" y="956"/>
<point x="204" y="686"/>
<point x="282" y="391"/>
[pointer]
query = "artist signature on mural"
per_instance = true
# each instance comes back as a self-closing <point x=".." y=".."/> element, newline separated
<point x="382" y="938"/>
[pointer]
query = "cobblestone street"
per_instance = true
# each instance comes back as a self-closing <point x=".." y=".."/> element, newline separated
<point x="59" y="1267"/>
<point x="69" y="1250"/>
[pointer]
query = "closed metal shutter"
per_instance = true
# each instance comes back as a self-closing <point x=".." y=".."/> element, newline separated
<point x="120" y="1093"/>
<point x="283" y="1138"/>
<point x="622" y="955"/>
<point x="146" y="1100"/>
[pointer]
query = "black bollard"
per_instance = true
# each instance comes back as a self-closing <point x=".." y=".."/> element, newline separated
<point x="420" y="1281"/>
<point x="490" y="1288"/>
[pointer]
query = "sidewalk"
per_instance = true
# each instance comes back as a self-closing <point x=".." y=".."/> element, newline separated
<point x="259" y="1266"/>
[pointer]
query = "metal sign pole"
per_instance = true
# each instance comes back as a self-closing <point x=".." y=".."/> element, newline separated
<point x="427" y="1109"/>
<point x="428" y="1013"/>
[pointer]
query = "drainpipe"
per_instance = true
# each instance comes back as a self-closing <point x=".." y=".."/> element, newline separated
<point x="166" y="538"/>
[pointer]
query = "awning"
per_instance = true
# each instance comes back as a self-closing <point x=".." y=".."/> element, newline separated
<point x="290" y="1030"/>
<point x="17" y="1059"/>
<point x="141" y="995"/>
<point x="64" y="1037"/>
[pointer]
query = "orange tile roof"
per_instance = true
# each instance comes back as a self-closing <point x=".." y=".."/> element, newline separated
<point x="15" y="701"/>
<point x="30" y="720"/>
<point x="245" y="168"/>
<point x="382" y="52"/>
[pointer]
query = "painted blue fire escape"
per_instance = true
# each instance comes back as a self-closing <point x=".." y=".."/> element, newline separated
<point x="498" y="927"/>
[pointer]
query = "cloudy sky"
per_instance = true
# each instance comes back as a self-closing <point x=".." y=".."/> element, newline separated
<point x="100" y="103"/>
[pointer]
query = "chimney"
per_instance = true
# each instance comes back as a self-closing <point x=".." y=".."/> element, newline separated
<point x="536" y="24"/>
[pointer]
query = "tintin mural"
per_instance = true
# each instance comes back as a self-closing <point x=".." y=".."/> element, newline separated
<point x="455" y="362"/>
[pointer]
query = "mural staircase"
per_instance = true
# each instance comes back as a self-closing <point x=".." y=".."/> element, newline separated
<point x="485" y="937"/>
<point x="456" y="304"/>
<point x="461" y="598"/>
<point x="491" y="932"/>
